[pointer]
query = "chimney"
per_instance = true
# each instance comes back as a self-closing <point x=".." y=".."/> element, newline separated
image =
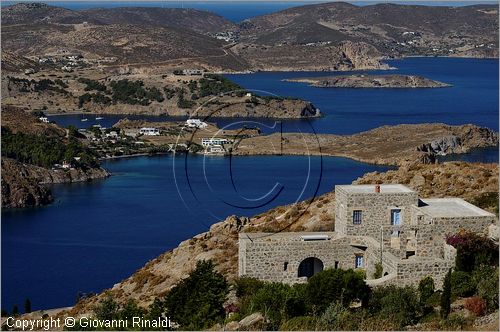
<point x="377" y="189"/>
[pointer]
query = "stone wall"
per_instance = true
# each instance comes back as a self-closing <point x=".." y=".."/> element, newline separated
<point x="276" y="257"/>
<point x="375" y="207"/>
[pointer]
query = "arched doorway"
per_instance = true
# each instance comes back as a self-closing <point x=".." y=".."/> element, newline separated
<point x="309" y="267"/>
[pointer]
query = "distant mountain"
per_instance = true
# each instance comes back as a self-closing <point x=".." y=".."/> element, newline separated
<point x="128" y="43"/>
<point x="196" y="20"/>
<point x="329" y="36"/>
<point x="131" y="35"/>
<point x="392" y="29"/>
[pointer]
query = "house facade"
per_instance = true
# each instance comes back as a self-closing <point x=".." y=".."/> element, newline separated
<point x="374" y="224"/>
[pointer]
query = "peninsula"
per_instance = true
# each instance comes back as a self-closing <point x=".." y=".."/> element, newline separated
<point x="370" y="81"/>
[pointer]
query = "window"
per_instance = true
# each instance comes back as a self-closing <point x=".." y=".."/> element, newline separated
<point x="358" y="261"/>
<point x="285" y="266"/>
<point x="357" y="217"/>
<point x="336" y="264"/>
<point x="396" y="217"/>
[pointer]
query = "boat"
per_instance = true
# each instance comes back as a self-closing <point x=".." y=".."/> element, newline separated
<point x="99" y="118"/>
<point x="84" y="119"/>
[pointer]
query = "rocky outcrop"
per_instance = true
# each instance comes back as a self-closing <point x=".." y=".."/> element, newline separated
<point x="360" y="55"/>
<point x="21" y="190"/>
<point x="399" y="145"/>
<point x="371" y="81"/>
<point x="463" y="139"/>
<point x="24" y="185"/>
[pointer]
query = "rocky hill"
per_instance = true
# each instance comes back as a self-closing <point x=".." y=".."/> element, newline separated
<point x="331" y="36"/>
<point x="370" y="81"/>
<point x="125" y="42"/>
<point x="191" y="19"/>
<point x="394" y="30"/>
<point x="24" y="183"/>
<point x="473" y="182"/>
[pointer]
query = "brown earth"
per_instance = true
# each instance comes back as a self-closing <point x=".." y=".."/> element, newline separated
<point x="388" y="145"/>
<point x="226" y="105"/>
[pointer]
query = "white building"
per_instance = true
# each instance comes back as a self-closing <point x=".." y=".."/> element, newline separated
<point x="196" y="123"/>
<point x="112" y="134"/>
<point x="149" y="131"/>
<point x="44" y="119"/>
<point x="214" y="141"/>
<point x="215" y="149"/>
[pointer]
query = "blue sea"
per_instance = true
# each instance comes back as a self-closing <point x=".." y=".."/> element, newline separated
<point x="99" y="233"/>
<point x="472" y="98"/>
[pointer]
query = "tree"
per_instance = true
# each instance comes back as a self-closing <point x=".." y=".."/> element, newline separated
<point x="425" y="289"/>
<point x="27" y="306"/>
<point x="379" y="270"/>
<point x="446" y="296"/>
<point x="197" y="301"/>
<point x="15" y="310"/>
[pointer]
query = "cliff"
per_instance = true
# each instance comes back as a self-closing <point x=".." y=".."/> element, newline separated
<point x="371" y="81"/>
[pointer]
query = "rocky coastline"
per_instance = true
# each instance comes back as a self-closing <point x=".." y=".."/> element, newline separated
<point x="371" y="81"/>
<point x="25" y="185"/>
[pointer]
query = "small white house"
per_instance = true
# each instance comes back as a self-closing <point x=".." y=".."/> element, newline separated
<point x="149" y="131"/>
<point x="214" y="141"/>
<point x="112" y="134"/>
<point x="215" y="149"/>
<point x="196" y="123"/>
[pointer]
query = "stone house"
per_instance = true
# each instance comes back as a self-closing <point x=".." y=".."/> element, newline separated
<point x="374" y="224"/>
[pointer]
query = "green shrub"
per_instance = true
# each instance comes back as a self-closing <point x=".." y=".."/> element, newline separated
<point x="300" y="323"/>
<point x="197" y="301"/>
<point x="425" y="289"/>
<point x="273" y="300"/>
<point x="247" y="286"/>
<point x="462" y="284"/>
<point x="379" y="271"/>
<point x="332" y="285"/>
<point x="398" y="304"/>
<point x="334" y="317"/>
<point x="487" y="288"/>
<point x="455" y="321"/>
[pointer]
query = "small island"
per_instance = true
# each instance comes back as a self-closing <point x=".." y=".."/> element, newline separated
<point x="371" y="81"/>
